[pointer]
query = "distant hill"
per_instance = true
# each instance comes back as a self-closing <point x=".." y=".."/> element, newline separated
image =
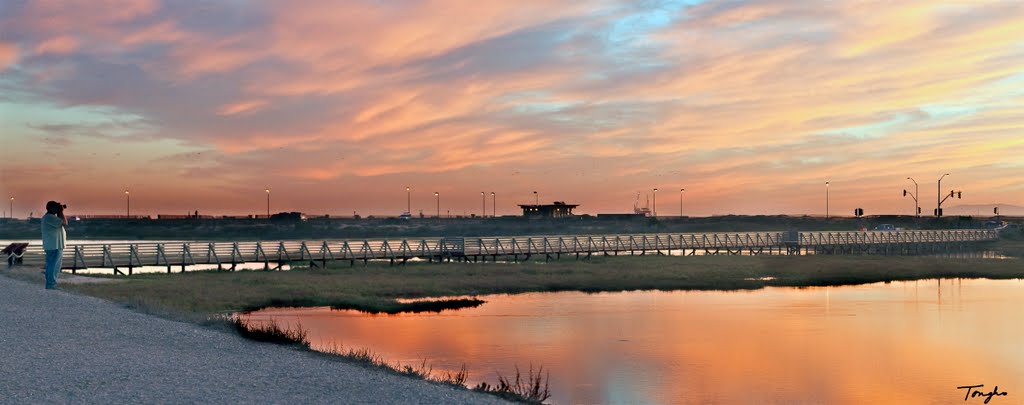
<point x="984" y="210"/>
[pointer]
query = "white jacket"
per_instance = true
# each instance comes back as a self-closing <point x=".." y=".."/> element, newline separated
<point x="53" y="232"/>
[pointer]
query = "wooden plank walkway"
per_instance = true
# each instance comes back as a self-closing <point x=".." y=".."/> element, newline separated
<point x="123" y="258"/>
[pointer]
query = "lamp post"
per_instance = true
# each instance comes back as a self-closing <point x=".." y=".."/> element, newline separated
<point x="826" y="200"/>
<point x="437" y="196"/>
<point x="268" y="203"/>
<point x="408" y="201"/>
<point x="12" y="207"/>
<point x="536" y="199"/>
<point x="938" y="197"/>
<point x="494" y="206"/>
<point x="655" y="203"/>
<point x="681" y="191"/>
<point x="128" y="204"/>
<point x="483" y="204"/>
<point x="917" y="192"/>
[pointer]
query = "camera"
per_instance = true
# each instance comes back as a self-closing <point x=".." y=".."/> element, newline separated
<point x="55" y="207"/>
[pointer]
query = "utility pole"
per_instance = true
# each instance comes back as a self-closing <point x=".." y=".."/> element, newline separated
<point x="655" y="203"/>
<point x="681" y="191"/>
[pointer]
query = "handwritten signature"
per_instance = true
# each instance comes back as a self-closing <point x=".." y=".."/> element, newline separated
<point x="972" y="392"/>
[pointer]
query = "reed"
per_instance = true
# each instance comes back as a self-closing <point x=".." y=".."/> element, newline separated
<point x="533" y="388"/>
<point x="271" y="332"/>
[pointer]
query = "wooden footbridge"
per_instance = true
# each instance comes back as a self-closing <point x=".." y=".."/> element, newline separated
<point x="123" y="258"/>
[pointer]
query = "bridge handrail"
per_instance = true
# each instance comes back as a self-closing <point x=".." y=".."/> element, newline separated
<point x="159" y="252"/>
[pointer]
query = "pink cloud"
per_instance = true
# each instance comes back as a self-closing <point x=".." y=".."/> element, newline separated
<point x="8" y="55"/>
<point x="242" y="107"/>
<point x="765" y="95"/>
<point x="58" y="45"/>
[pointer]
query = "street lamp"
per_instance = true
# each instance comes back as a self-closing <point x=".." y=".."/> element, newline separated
<point x="536" y="199"/>
<point x="826" y="200"/>
<point x="917" y="192"/>
<point x="128" y="202"/>
<point x="437" y="196"/>
<point x="938" y="197"/>
<point x="655" y="203"/>
<point x="483" y="204"/>
<point x="494" y="206"/>
<point x="952" y="194"/>
<point x="408" y="202"/>
<point x="681" y="191"/>
<point x="12" y="207"/>
<point x="268" y="203"/>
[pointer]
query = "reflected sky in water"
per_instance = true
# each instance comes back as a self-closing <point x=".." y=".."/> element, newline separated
<point x="909" y="342"/>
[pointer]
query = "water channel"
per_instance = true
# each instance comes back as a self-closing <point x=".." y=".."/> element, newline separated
<point x="907" y="342"/>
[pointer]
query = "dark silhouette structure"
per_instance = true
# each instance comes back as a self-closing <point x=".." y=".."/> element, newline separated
<point x="558" y="209"/>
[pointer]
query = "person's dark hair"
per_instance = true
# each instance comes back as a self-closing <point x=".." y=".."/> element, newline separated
<point x="53" y="207"/>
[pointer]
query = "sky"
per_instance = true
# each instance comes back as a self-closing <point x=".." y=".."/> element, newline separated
<point x="337" y="107"/>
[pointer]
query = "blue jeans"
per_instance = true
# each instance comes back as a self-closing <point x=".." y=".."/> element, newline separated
<point x="53" y="262"/>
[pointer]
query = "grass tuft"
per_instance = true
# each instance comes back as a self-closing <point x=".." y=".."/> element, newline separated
<point x="272" y="333"/>
<point x="533" y="388"/>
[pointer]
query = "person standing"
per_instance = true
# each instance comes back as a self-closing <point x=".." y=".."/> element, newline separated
<point x="54" y="236"/>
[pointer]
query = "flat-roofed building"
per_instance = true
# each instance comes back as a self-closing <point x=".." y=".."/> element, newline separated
<point x="558" y="209"/>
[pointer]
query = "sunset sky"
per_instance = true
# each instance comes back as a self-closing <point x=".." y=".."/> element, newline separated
<point x="337" y="106"/>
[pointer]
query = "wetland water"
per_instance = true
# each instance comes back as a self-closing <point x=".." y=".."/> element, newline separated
<point x="908" y="342"/>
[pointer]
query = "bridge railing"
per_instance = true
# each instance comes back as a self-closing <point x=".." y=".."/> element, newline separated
<point x="818" y="238"/>
<point x="183" y="253"/>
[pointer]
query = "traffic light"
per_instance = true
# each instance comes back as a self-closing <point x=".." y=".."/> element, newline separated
<point x="904" y="193"/>
<point x="958" y="195"/>
<point x="918" y="210"/>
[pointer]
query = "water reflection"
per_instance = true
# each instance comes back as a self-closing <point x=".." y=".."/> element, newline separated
<point x="178" y="268"/>
<point x="910" y="342"/>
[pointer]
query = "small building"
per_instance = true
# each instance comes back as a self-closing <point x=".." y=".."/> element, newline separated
<point x="558" y="209"/>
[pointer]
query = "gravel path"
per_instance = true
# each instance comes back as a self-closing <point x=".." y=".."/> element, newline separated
<point x="58" y="347"/>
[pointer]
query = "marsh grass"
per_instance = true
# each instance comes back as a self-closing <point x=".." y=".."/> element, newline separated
<point x="271" y="332"/>
<point x="532" y="388"/>
<point x="380" y="288"/>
